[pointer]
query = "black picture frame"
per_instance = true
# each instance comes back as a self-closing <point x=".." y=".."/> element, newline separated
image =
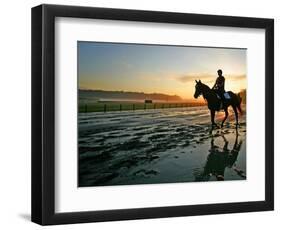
<point x="43" y="110"/>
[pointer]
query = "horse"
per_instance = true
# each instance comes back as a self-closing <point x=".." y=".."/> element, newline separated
<point x="214" y="103"/>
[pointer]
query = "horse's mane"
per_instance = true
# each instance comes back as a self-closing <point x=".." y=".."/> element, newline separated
<point x="205" y="86"/>
<point x="206" y="89"/>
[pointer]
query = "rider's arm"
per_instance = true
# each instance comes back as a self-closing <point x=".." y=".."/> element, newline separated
<point x="215" y="84"/>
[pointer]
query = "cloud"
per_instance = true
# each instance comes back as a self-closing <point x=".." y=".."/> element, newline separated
<point x="192" y="77"/>
<point x="208" y="78"/>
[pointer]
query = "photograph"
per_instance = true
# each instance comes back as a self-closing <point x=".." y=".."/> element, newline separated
<point x="151" y="113"/>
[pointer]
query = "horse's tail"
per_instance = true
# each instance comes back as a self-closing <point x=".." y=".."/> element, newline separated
<point x="239" y="103"/>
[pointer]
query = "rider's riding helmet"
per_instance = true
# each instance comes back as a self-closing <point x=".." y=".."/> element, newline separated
<point x="220" y="72"/>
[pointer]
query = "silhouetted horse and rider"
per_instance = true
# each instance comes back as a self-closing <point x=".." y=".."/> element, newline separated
<point x="216" y="99"/>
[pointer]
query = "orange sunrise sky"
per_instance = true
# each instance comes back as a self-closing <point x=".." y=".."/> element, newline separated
<point x="157" y="68"/>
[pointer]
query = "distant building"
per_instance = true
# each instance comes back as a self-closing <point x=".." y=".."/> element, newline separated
<point x="148" y="101"/>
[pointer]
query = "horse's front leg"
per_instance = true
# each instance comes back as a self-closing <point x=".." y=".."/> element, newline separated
<point x="225" y="117"/>
<point x="213" y="117"/>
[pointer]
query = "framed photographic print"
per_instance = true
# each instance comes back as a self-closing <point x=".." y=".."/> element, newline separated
<point x="142" y="114"/>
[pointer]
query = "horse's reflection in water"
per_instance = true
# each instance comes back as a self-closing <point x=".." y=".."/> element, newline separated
<point x="219" y="159"/>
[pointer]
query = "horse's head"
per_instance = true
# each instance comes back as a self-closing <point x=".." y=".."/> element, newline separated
<point x="198" y="89"/>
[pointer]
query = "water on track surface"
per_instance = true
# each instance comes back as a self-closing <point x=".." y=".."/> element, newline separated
<point x="159" y="146"/>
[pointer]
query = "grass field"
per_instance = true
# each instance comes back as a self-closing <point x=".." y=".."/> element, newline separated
<point x="126" y="106"/>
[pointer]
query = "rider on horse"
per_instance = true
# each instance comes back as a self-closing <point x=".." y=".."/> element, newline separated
<point x="213" y="101"/>
<point x="219" y="85"/>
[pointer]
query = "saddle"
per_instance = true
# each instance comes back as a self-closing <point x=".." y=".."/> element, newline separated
<point x="226" y="96"/>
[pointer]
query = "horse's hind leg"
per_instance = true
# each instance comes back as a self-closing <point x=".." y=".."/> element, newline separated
<point x="225" y="117"/>
<point x="236" y="114"/>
